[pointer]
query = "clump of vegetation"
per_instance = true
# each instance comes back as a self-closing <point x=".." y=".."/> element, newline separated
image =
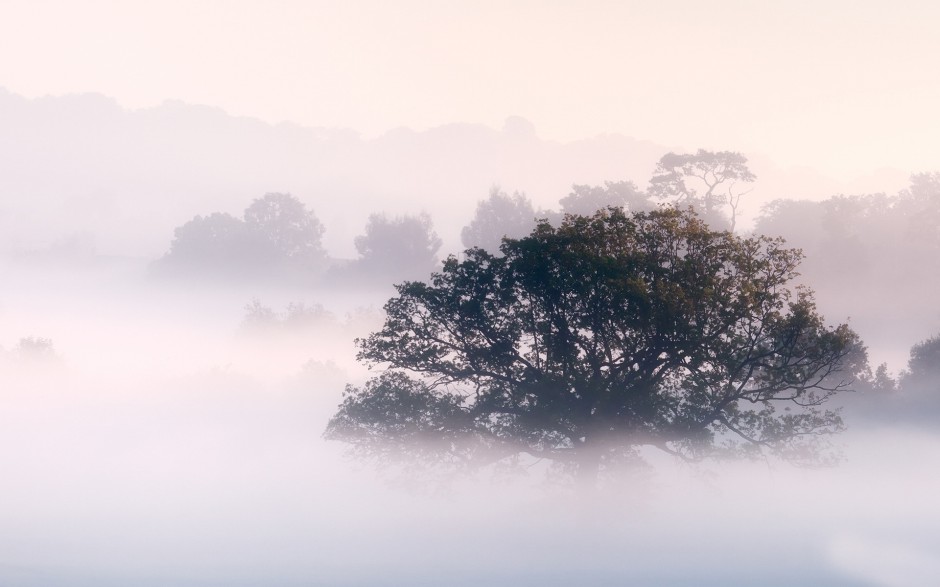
<point x="296" y="317"/>
<point x="32" y="351"/>
<point x="583" y="342"/>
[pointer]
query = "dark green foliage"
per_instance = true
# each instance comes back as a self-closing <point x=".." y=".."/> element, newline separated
<point x="608" y="332"/>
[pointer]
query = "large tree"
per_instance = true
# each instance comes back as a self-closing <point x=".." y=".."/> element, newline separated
<point x="708" y="181"/>
<point x="583" y="342"/>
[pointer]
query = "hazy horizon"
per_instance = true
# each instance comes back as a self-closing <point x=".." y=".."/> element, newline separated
<point x="715" y="75"/>
<point x="204" y="205"/>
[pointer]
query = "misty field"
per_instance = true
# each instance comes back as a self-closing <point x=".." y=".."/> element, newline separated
<point x="469" y="294"/>
<point x="164" y="440"/>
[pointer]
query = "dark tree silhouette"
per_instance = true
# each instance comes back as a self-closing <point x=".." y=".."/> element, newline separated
<point x="583" y="342"/>
<point x="707" y="181"/>
<point x="499" y="216"/>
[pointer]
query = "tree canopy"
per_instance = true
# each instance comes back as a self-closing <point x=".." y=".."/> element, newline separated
<point x="707" y="180"/>
<point x="400" y="247"/>
<point x="498" y="216"/>
<point x="587" y="199"/>
<point x="287" y="224"/>
<point x="278" y="236"/>
<point x="585" y="341"/>
<point x="923" y="368"/>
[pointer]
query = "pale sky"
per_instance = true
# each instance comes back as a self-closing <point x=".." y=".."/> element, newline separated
<point x="843" y="86"/>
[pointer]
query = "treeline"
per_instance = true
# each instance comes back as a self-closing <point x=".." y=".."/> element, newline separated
<point x="871" y="258"/>
<point x="888" y="244"/>
<point x="279" y="238"/>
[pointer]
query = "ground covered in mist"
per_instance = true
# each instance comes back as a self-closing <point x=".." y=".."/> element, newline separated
<point x="161" y="424"/>
<point x="158" y="433"/>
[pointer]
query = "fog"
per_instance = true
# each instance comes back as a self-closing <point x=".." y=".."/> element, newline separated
<point x="164" y="443"/>
<point x="163" y="407"/>
<point x="84" y="174"/>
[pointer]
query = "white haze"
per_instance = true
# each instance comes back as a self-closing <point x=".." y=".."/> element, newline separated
<point x="81" y="172"/>
<point x="166" y="444"/>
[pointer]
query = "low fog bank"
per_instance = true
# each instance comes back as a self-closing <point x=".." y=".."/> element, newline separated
<point x="222" y="479"/>
<point x="172" y="435"/>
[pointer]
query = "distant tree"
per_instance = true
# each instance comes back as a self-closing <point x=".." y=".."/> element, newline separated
<point x="920" y="204"/>
<point x="278" y="238"/>
<point x="297" y="317"/>
<point x="219" y="243"/>
<point x="797" y="220"/>
<point x="586" y="199"/>
<point x="707" y="181"/>
<point x="35" y="350"/>
<point x="923" y="368"/>
<point x="404" y="247"/>
<point x="498" y="216"/>
<point x="259" y="317"/>
<point x="583" y="342"/>
<point x="286" y="223"/>
<point x="881" y="381"/>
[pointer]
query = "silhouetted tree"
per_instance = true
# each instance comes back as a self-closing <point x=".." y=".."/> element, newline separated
<point x="219" y="244"/>
<point x="880" y="382"/>
<point x="583" y="342"/>
<point x="586" y="199"/>
<point x="284" y="221"/>
<point x="707" y="181"/>
<point x="278" y="238"/>
<point x="403" y="247"/>
<point x="923" y="368"/>
<point x="498" y="216"/>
